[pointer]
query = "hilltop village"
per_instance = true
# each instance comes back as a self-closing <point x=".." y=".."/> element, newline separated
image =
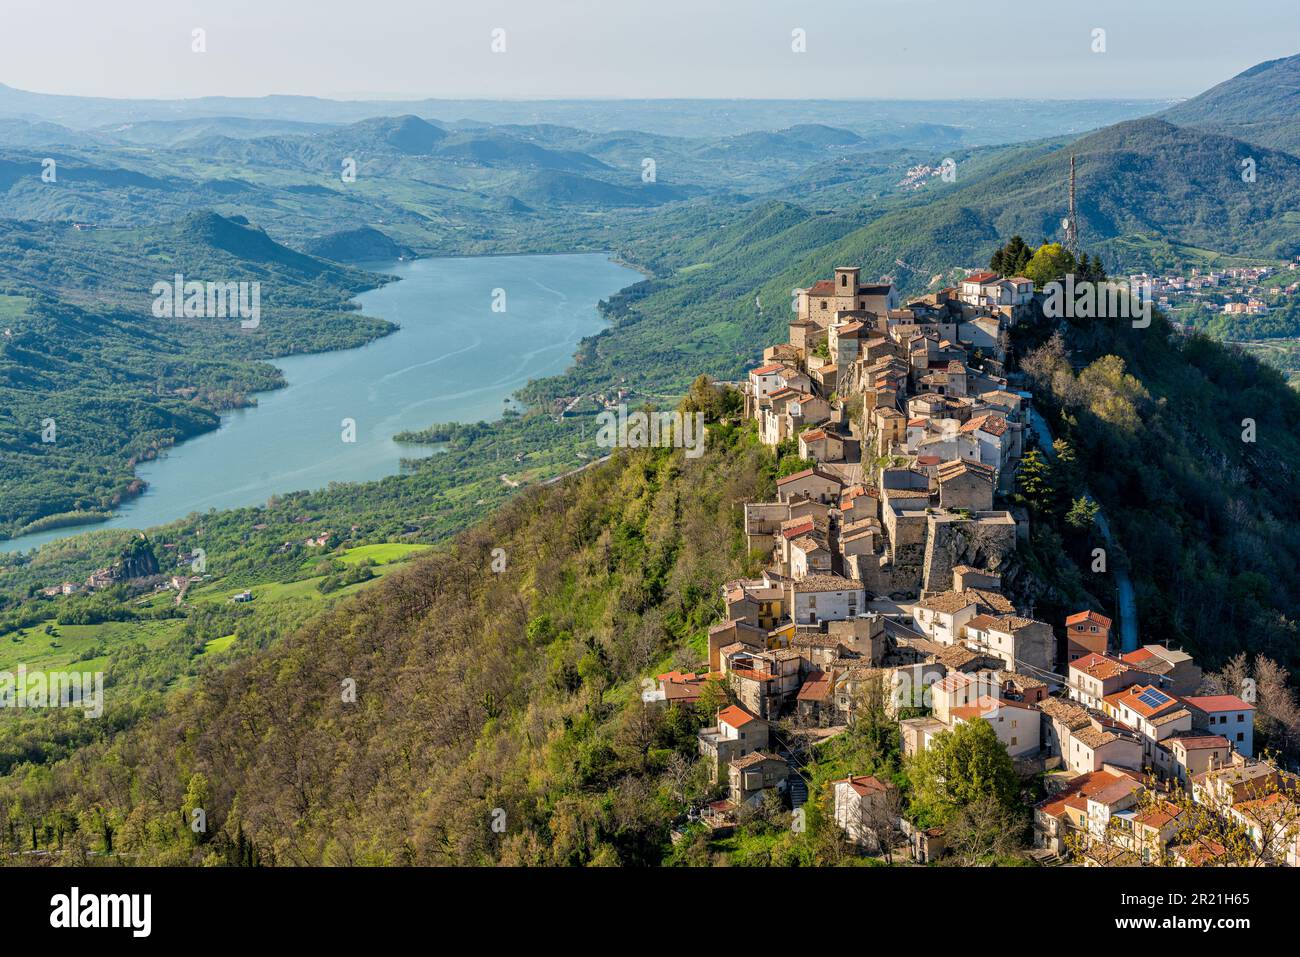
<point x="889" y="558"/>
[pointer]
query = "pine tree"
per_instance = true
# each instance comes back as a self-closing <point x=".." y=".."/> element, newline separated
<point x="1035" y="480"/>
<point x="1098" y="270"/>
<point x="1017" y="256"/>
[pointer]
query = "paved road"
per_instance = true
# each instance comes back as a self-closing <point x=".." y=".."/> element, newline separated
<point x="581" y="468"/>
<point x="1125" y="599"/>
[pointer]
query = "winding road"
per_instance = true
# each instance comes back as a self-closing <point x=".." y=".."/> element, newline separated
<point x="1125" y="598"/>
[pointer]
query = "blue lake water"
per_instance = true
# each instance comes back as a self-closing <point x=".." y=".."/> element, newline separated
<point x="453" y="360"/>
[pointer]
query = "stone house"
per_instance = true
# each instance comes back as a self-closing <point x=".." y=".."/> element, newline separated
<point x="991" y="432"/>
<point x="814" y="483"/>
<point x="736" y="635"/>
<point x="753" y="774"/>
<point x="808" y="556"/>
<point x="821" y="445"/>
<point x="814" y="703"/>
<point x="942" y="617"/>
<point x="964" y="484"/>
<point x="818" y="598"/>
<point x="1020" y="643"/>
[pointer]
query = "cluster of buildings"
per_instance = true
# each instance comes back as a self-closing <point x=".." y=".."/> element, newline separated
<point x="888" y="570"/>
<point x="1239" y="290"/>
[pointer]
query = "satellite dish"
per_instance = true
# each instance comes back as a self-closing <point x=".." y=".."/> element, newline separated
<point x="1065" y="224"/>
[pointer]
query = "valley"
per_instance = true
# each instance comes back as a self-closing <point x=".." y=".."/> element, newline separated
<point x="394" y="479"/>
<point x="452" y="359"/>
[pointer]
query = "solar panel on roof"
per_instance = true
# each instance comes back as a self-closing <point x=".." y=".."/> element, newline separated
<point x="1153" y="698"/>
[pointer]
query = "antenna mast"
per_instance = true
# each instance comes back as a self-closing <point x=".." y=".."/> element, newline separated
<point x="1071" y="223"/>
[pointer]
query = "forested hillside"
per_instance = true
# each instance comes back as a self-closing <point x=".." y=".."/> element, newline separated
<point x="91" y="381"/>
<point x="1189" y="446"/>
<point x="477" y="694"/>
<point x="1260" y="105"/>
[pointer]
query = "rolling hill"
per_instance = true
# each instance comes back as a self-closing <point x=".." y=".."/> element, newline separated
<point x="1260" y="105"/>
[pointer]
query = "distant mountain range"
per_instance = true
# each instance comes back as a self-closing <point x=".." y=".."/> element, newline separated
<point x="1003" y="121"/>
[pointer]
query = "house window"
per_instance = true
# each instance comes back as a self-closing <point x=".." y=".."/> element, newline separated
<point x="1240" y="718"/>
<point x="823" y="303"/>
<point x="1013" y="740"/>
<point x="1241" y="736"/>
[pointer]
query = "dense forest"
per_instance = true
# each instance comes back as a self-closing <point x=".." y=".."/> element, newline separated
<point x="474" y="691"/>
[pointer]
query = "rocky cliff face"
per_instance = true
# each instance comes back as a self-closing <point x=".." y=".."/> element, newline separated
<point x="137" y="561"/>
<point x="985" y="540"/>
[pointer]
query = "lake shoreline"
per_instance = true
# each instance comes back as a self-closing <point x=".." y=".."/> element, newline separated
<point x="293" y="377"/>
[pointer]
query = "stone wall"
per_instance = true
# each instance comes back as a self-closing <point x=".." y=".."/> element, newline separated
<point x="985" y="540"/>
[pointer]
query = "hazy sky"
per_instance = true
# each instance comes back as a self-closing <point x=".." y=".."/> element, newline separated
<point x="639" y="48"/>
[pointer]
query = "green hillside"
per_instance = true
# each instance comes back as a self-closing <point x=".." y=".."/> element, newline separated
<point x="84" y="351"/>
<point x="1260" y="105"/>
<point x="475" y="691"/>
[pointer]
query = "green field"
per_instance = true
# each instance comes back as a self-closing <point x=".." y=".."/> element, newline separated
<point x="381" y="554"/>
<point x="217" y="645"/>
<point x="39" y="651"/>
<point x="12" y="307"/>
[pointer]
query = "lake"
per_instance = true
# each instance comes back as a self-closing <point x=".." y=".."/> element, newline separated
<point x="455" y="359"/>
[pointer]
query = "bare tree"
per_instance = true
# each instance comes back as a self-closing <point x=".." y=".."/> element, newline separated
<point x="983" y="830"/>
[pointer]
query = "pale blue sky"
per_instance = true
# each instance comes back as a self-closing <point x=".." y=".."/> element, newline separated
<point x="942" y="49"/>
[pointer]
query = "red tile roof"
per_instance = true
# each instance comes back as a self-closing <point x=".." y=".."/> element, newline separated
<point x="865" y="784"/>
<point x="1081" y="788"/>
<point x="1218" y="702"/>
<point x="1091" y="617"/>
<point x="1099" y="666"/>
<point x="1131" y="698"/>
<point x="807" y="472"/>
<point x="735" y="717"/>
<point x="816" y="687"/>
